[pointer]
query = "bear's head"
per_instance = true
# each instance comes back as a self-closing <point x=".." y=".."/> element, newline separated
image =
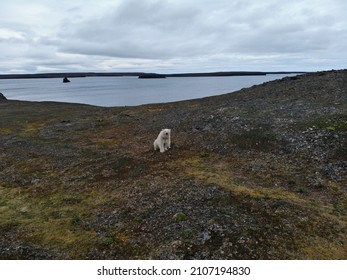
<point x="166" y="132"/>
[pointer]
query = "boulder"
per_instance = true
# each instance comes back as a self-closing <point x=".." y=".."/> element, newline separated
<point x="2" y="97"/>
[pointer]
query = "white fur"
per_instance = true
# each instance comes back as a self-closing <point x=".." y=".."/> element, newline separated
<point x="163" y="141"/>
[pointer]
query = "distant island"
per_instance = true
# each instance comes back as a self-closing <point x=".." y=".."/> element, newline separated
<point x="151" y="76"/>
<point x="141" y="75"/>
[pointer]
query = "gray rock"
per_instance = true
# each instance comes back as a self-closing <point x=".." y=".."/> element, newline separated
<point x="2" y="97"/>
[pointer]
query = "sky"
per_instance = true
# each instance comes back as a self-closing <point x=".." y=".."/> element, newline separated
<point x="172" y="36"/>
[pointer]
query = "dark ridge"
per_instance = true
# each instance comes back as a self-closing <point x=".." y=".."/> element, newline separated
<point x="141" y="75"/>
<point x="151" y="76"/>
<point x="70" y="75"/>
<point x="217" y="74"/>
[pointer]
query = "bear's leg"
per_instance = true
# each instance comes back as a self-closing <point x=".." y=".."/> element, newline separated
<point x="162" y="149"/>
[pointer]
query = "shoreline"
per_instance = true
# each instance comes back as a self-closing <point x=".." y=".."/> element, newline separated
<point x="174" y="91"/>
<point x="141" y="74"/>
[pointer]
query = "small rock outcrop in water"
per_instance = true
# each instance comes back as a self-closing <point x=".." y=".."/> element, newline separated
<point x="151" y="76"/>
<point x="66" y="80"/>
<point x="2" y="97"/>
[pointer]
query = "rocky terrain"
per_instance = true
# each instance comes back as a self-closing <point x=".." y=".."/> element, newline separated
<point x="256" y="174"/>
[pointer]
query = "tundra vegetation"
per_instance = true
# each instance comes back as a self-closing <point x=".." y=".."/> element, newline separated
<point x="255" y="174"/>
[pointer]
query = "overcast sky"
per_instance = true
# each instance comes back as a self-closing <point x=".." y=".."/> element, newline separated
<point x="168" y="36"/>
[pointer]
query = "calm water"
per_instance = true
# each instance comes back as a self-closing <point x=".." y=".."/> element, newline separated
<point x="121" y="91"/>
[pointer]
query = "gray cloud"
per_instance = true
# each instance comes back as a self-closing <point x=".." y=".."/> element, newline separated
<point x="175" y="35"/>
<point x="141" y="29"/>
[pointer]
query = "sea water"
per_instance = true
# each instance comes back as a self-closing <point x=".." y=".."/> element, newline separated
<point x="126" y="91"/>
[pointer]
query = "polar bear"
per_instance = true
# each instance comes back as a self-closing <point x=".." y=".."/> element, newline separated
<point x="163" y="141"/>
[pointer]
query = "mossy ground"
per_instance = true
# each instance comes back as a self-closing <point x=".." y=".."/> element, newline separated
<point x="82" y="182"/>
